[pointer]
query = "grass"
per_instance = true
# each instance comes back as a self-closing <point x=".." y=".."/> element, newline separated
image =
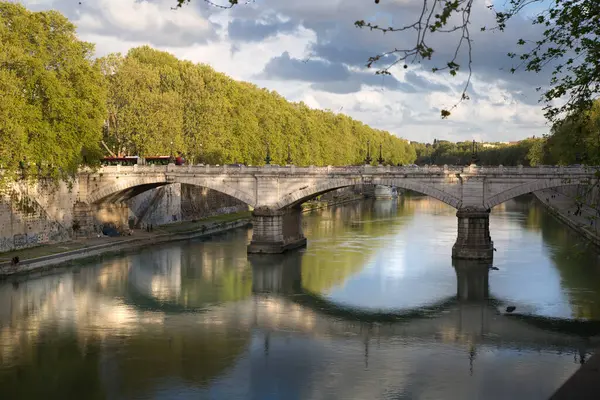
<point x="188" y="226"/>
<point x="45" y="250"/>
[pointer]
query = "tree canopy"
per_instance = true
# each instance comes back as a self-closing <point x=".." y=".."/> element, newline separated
<point x="52" y="96"/>
<point x="60" y="108"/>
<point x="158" y="104"/>
<point x="59" y="105"/>
<point x="576" y="139"/>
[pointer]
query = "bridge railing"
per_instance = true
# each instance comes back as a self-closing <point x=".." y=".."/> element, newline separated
<point x="347" y="170"/>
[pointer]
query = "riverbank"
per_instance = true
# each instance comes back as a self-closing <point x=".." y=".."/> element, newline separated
<point x="63" y="253"/>
<point x="563" y="207"/>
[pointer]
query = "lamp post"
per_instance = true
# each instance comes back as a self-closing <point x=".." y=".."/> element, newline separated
<point x="289" y="156"/>
<point x="474" y="158"/>
<point x="268" y="157"/>
<point x="380" y="160"/>
<point x="171" y="159"/>
<point x="368" y="158"/>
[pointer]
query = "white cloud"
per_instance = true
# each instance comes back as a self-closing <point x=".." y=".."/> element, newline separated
<point x="499" y="109"/>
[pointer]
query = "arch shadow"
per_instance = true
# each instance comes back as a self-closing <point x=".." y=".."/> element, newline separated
<point x="129" y="188"/>
<point x="532" y="186"/>
<point x="301" y="196"/>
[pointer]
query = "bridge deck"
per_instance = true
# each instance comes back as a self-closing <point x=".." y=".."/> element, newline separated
<point x="345" y="170"/>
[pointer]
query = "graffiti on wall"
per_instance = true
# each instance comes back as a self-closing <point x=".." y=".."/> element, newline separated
<point x="6" y="243"/>
<point x="32" y="238"/>
<point x="42" y="237"/>
<point x="20" y="240"/>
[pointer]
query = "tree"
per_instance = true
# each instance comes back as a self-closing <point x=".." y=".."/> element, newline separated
<point x="155" y="99"/>
<point x="576" y="139"/>
<point x="52" y="96"/>
<point x="568" y="45"/>
<point x="537" y="152"/>
<point x="144" y="102"/>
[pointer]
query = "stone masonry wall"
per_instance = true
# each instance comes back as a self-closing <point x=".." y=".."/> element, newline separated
<point x="156" y="207"/>
<point x="180" y="202"/>
<point x="589" y="197"/>
<point x="198" y="202"/>
<point x="46" y="213"/>
<point x="35" y="214"/>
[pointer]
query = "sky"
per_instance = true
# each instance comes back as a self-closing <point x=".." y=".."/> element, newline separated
<point x="311" y="51"/>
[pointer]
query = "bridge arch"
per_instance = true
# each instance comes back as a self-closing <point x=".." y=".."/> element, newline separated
<point x="531" y="186"/>
<point x="112" y="190"/>
<point x="300" y="196"/>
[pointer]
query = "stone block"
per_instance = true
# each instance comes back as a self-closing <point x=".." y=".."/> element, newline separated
<point x="275" y="231"/>
<point x="473" y="241"/>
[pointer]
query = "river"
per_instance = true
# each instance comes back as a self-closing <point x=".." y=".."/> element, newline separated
<point x="373" y="308"/>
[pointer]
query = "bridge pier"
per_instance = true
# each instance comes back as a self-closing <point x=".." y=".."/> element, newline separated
<point x="473" y="241"/>
<point x="275" y="231"/>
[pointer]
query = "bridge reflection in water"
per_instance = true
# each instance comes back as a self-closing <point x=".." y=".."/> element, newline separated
<point x="472" y="316"/>
<point x="204" y="320"/>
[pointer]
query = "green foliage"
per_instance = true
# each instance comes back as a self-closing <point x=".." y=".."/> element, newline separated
<point x="155" y="100"/>
<point x="58" y="106"/>
<point x="444" y="152"/>
<point x="576" y="139"/>
<point x="144" y="102"/>
<point x="52" y="97"/>
<point x="537" y="153"/>
<point x="569" y="47"/>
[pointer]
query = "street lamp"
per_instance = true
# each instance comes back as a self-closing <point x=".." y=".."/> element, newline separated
<point x="474" y="158"/>
<point x="380" y="160"/>
<point x="289" y="156"/>
<point x="368" y="158"/>
<point x="268" y="157"/>
<point x="171" y="159"/>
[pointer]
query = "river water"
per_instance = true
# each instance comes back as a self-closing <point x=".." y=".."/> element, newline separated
<point x="373" y="308"/>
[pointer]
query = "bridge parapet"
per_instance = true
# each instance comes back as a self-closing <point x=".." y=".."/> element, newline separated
<point x="346" y="170"/>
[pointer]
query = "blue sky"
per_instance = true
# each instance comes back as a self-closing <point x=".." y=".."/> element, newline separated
<point x="310" y="51"/>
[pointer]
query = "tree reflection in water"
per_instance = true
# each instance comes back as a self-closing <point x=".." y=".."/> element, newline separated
<point x="204" y="316"/>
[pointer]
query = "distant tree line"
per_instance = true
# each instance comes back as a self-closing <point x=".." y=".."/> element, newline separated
<point x="572" y="140"/>
<point x="444" y="152"/>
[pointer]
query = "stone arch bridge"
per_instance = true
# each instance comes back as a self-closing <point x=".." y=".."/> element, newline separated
<point x="276" y="192"/>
